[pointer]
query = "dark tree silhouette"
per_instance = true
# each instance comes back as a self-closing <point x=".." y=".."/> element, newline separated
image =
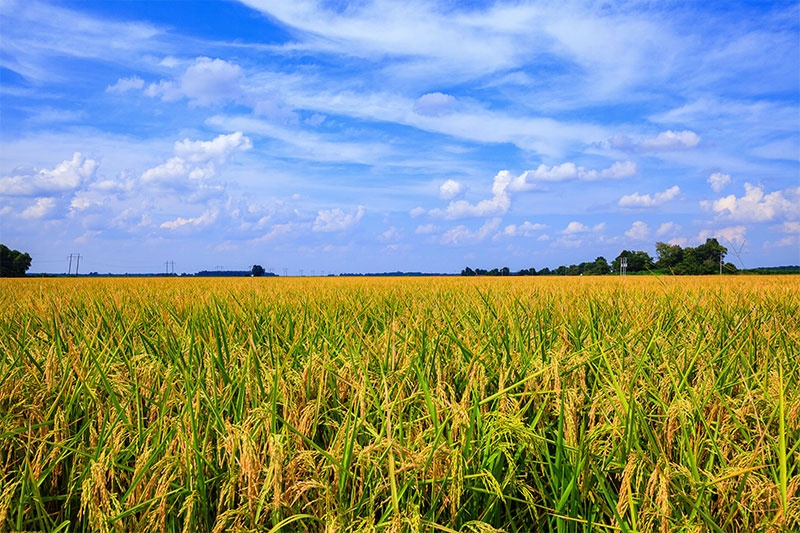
<point x="13" y="263"/>
<point x="257" y="270"/>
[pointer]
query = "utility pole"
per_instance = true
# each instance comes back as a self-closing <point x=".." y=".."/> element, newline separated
<point x="78" y="264"/>
<point x="720" y="264"/>
<point x="169" y="267"/>
<point x="69" y="270"/>
<point x="285" y="272"/>
<point x="301" y="272"/>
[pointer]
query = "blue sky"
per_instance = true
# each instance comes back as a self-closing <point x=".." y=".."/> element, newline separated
<point x="376" y="135"/>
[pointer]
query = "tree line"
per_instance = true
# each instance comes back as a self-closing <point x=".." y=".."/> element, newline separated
<point x="671" y="259"/>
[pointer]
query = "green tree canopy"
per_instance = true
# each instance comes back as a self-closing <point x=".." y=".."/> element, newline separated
<point x="13" y="263"/>
<point x="669" y="255"/>
<point x="637" y="261"/>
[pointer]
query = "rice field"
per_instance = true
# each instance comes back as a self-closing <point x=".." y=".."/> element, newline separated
<point x="381" y="404"/>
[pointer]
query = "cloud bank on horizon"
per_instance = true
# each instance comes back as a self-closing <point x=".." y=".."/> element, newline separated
<point x="396" y="135"/>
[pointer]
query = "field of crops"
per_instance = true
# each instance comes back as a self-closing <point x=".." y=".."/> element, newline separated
<point x="426" y="404"/>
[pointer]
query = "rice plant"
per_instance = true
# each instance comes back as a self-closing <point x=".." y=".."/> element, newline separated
<point x="430" y="404"/>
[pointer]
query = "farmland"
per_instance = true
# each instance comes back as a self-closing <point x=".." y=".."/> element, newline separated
<point x="446" y="404"/>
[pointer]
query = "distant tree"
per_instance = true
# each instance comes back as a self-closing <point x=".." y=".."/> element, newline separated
<point x="545" y="271"/>
<point x="505" y="271"/>
<point x="599" y="267"/>
<point x="13" y="263"/>
<point x="669" y="255"/>
<point x="468" y="272"/>
<point x="702" y="260"/>
<point x="257" y="270"/>
<point x="637" y="261"/>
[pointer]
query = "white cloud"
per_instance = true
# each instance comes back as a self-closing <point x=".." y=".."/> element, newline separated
<point x="337" y="219"/>
<point x="40" y="209"/>
<point x="194" y="160"/>
<point x="638" y="231"/>
<point x="450" y="189"/>
<point x="218" y="149"/>
<point x="790" y="227"/>
<point x="66" y="176"/>
<point x="126" y="84"/>
<point x="207" y="81"/>
<point x="278" y="230"/>
<point x="526" y="229"/>
<point x="434" y="104"/>
<point x="570" y="171"/>
<point x="417" y="211"/>
<point x="755" y="206"/>
<point x="391" y="234"/>
<point x="719" y="181"/>
<point x="497" y="205"/>
<point x="171" y="170"/>
<point x="463" y="235"/>
<point x="666" y="141"/>
<point x="645" y="200"/>
<point x="667" y="227"/>
<point x="206" y="219"/>
<point x="426" y="229"/>
<point x="734" y="234"/>
<point x="575" y="227"/>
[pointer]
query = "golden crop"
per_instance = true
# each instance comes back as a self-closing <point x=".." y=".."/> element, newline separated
<point x="397" y="404"/>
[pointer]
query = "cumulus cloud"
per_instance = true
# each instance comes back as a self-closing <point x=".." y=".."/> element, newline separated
<point x="638" y="231"/>
<point x="755" y="206"/>
<point x="792" y="231"/>
<point x="734" y="234"/>
<point x="666" y="228"/>
<point x="426" y="229"/>
<point x="337" y="219"/>
<point x="434" y="104"/>
<point x="666" y="141"/>
<point x="463" y="235"/>
<point x="40" y="209"/>
<point x="570" y="171"/>
<point x="391" y="234"/>
<point x="645" y="200"/>
<point x="526" y="229"/>
<point x="195" y="160"/>
<point x="206" y="219"/>
<point x="218" y="149"/>
<point x="576" y="227"/>
<point x="417" y="211"/>
<point x="66" y="176"/>
<point x="207" y="81"/>
<point x="497" y="205"/>
<point x="450" y="189"/>
<point x="171" y="170"/>
<point x="719" y="181"/>
<point x="126" y="84"/>
<point x="790" y="227"/>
